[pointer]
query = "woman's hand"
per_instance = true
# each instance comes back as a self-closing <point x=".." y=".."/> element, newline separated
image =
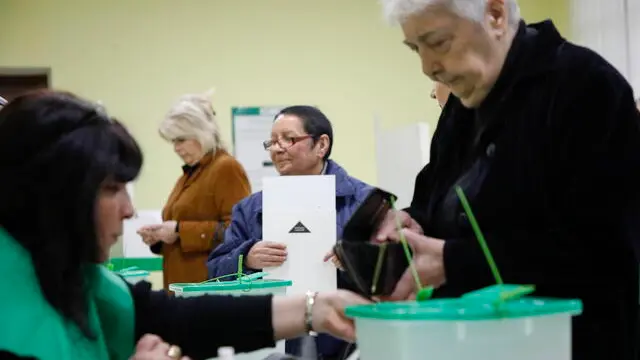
<point x="288" y="315"/>
<point x="266" y="254"/>
<point x="429" y="262"/>
<point x="165" y="232"/>
<point x="147" y="235"/>
<point x="331" y="256"/>
<point x="328" y="314"/>
<point x="151" y="347"/>
<point x="388" y="228"/>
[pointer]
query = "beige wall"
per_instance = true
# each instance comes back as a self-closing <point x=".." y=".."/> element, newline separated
<point x="137" y="56"/>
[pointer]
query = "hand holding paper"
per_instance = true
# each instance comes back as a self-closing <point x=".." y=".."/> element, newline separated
<point x="266" y="254"/>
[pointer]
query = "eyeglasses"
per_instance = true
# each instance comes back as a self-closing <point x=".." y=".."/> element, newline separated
<point x="285" y="142"/>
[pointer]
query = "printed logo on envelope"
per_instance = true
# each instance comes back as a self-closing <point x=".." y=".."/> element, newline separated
<point x="299" y="228"/>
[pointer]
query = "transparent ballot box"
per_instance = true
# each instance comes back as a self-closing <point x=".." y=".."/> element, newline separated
<point x="480" y="325"/>
<point x="244" y="285"/>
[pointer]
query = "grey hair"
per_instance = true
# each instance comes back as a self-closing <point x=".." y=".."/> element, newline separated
<point x="397" y="11"/>
<point x="193" y="117"/>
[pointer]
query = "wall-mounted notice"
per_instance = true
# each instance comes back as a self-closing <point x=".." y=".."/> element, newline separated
<point x="251" y="126"/>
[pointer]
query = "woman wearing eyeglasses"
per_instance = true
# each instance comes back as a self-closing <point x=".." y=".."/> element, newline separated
<point x="300" y="144"/>
<point x="62" y="210"/>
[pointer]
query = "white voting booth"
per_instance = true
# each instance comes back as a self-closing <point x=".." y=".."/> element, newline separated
<point x="401" y="152"/>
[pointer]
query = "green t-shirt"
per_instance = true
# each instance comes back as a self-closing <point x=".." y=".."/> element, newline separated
<point x="31" y="327"/>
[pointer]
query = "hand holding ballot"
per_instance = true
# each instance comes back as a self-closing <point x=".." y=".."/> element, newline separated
<point x="427" y="253"/>
<point x="388" y="228"/>
<point x="429" y="263"/>
<point x="331" y="256"/>
<point x="266" y="254"/>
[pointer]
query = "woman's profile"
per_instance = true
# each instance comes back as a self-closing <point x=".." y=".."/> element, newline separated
<point x="65" y="165"/>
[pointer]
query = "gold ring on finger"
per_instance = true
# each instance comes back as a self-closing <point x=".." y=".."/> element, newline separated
<point x="174" y="352"/>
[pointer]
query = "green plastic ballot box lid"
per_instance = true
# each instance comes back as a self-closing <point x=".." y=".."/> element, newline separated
<point x="132" y="272"/>
<point x="485" y="304"/>
<point x="244" y="283"/>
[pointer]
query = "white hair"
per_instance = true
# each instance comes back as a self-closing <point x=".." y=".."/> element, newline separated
<point x="397" y="11"/>
<point x="193" y="117"/>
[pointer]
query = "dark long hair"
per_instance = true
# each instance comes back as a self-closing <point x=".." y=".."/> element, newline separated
<point x="56" y="151"/>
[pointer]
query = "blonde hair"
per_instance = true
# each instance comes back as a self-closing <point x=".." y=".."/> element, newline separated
<point x="193" y="117"/>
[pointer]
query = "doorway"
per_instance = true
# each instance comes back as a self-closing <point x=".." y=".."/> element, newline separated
<point x="17" y="81"/>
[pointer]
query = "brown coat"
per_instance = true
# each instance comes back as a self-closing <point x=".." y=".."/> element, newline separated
<point x="201" y="204"/>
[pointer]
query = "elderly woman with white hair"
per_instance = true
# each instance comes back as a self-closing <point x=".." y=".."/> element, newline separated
<point x="543" y="136"/>
<point x="199" y="207"/>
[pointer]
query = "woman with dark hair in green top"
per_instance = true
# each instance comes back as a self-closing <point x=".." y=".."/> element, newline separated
<point x="64" y="166"/>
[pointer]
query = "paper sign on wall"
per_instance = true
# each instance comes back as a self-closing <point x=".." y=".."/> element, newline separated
<point x="251" y="126"/>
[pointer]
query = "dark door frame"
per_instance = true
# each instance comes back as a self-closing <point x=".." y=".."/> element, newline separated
<point x="20" y="79"/>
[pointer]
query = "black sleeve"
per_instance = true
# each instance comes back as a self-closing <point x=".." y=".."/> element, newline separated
<point x="424" y="181"/>
<point x="593" y="195"/>
<point x="156" y="248"/>
<point x="200" y="325"/>
<point x="420" y="196"/>
<point x="5" y="355"/>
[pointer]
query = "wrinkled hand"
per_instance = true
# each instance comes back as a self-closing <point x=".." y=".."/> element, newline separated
<point x="429" y="263"/>
<point x="146" y="234"/>
<point x="328" y="314"/>
<point x="165" y="232"/>
<point x="388" y="228"/>
<point x="266" y="254"/>
<point x="330" y="256"/>
<point x="151" y="347"/>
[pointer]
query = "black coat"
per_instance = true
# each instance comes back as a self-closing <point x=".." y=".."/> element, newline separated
<point x="551" y="164"/>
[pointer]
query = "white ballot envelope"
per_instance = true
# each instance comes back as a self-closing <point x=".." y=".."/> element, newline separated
<point x="132" y="244"/>
<point x="300" y="212"/>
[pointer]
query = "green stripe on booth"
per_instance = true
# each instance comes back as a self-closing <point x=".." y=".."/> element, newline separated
<point x="148" y="264"/>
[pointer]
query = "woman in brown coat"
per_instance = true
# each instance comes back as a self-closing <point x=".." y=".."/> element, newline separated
<point x="199" y="207"/>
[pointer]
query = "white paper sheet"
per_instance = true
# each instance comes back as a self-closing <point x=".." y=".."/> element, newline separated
<point x="300" y="211"/>
<point x="132" y="244"/>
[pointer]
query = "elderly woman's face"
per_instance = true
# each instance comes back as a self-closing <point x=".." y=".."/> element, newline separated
<point x="189" y="150"/>
<point x="293" y="151"/>
<point x="459" y="53"/>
